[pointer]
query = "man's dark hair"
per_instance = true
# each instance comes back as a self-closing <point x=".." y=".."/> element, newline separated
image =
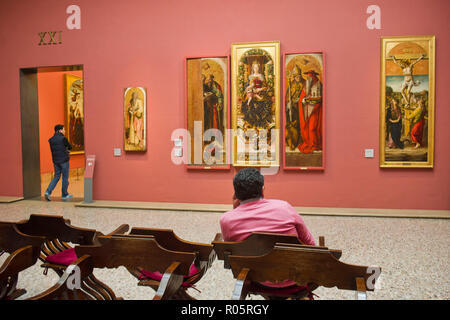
<point x="59" y="127"/>
<point x="248" y="183"/>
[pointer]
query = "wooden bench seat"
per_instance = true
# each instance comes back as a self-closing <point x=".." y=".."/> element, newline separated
<point x="134" y="251"/>
<point x="66" y="287"/>
<point x="166" y="238"/>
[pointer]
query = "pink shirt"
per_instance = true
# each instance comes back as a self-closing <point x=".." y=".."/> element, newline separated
<point x="275" y="216"/>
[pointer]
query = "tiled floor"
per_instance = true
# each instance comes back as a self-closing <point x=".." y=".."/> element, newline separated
<point x="413" y="253"/>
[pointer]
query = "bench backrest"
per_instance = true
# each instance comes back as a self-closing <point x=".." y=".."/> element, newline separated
<point x="24" y="249"/>
<point x="257" y="244"/>
<point x="167" y="239"/>
<point x="11" y="239"/>
<point x="55" y="227"/>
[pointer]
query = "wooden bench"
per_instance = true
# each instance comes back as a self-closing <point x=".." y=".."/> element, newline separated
<point x="299" y="264"/>
<point x="58" y="233"/>
<point x="66" y="287"/>
<point x="134" y="251"/>
<point x="261" y="243"/>
<point x="166" y="238"/>
<point x="24" y="251"/>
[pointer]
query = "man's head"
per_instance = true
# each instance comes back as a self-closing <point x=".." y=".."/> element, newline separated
<point x="59" y="127"/>
<point x="248" y="183"/>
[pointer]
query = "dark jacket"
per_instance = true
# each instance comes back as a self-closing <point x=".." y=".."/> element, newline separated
<point x="60" y="148"/>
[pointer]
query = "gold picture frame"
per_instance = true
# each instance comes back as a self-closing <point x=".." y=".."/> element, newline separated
<point x="407" y="102"/>
<point x="207" y="111"/>
<point x="255" y="104"/>
<point x="135" y="119"/>
<point x="303" y="111"/>
<point x="74" y="112"/>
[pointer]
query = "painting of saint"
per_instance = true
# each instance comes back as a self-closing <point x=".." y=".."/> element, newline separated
<point x="303" y="111"/>
<point x="407" y="102"/>
<point x="207" y="112"/>
<point x="135" y="110"/>
<point x="74" y="112"/>
<point x="255" y="103"/>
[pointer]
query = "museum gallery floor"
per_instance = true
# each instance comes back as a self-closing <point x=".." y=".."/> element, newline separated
<point x="392" y="243"/>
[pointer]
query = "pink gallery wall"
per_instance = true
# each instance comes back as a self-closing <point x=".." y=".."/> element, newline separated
<point x="51" y="112"/>
<point x="144" y="43"/>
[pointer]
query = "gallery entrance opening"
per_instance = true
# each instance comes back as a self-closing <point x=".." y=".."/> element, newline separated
<point x="51" y="96"/>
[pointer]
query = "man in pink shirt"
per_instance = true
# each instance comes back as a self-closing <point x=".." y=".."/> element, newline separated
<point x="253" y="213"/>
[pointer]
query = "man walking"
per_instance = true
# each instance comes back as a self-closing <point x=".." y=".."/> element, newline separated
<point x="60" y="146"/>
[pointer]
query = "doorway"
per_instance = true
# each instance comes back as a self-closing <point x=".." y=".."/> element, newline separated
<point x="50" y="96"/>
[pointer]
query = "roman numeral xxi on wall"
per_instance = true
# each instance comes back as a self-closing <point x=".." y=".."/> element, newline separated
<point x="50" y="37"/>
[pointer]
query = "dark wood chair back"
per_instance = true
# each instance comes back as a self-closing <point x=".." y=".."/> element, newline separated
<point x="300" y="264"/>
<point x="167" y="239"/>
<point x="258" y="243"/>
<point x="55" y="227"/>
<point x="11" y="239"/>
<point x="24" y="251"/>
<point x="58" y="232"/>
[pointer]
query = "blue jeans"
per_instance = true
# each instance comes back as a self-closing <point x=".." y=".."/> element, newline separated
<point x="60" y="168"/>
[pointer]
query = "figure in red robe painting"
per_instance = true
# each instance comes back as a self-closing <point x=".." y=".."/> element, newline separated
<point x="311" y="113"/>
<point x="418" y="121"/>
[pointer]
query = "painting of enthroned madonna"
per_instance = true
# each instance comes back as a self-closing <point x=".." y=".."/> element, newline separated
<point x="255" y="103"/>
<point x="256" y="90"/>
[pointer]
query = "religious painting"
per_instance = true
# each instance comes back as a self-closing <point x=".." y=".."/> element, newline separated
<point x="135" y="119"/>
<point x="207" y="112"/>
<point x="255" y="76"/>
<point x="303" y="110"/>
<point x="407" y="102"/>
<point x="74" y="112"/>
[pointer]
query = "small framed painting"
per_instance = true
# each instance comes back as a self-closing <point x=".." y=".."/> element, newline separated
<point x="135" y="119"/>
<point x="74" y="112"/>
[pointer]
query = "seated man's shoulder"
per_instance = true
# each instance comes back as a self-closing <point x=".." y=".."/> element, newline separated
<point x="282" y="206"/>
<point x="279" y="203"/>
<point x="227" y="215"/>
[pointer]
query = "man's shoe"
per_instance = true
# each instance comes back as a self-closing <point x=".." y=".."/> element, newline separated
<point x="68" y="197"/>
<point x="47" y="196"/>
